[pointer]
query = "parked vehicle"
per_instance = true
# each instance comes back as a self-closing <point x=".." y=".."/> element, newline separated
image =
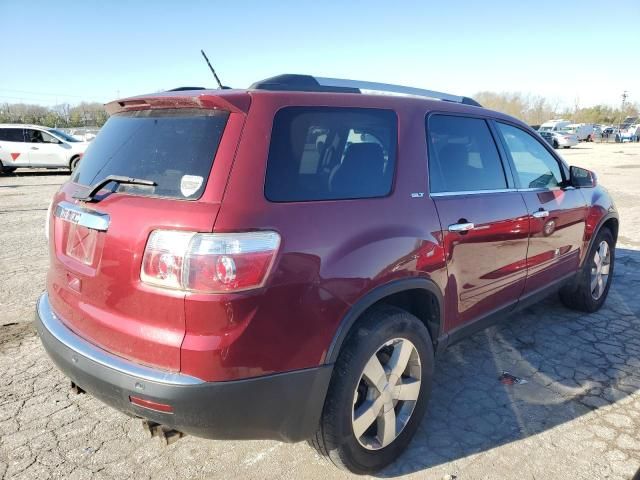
<point x="611" y="133"/>
<point x="584" y="131"/>
<point x="33" y="146"/>
<point x="554" y="125"/>
<point x="630" y="134"/>
<point x="283" y="262"/>
<point x="559" y="139"/>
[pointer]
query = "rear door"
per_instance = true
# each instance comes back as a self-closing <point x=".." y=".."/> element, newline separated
<point x="484" y="220"/>
<point x="97" y="247"/>
<point x="557" y="212"/>
<point x="14" y="152"/>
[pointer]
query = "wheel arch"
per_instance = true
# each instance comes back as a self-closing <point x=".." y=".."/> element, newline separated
<point x="73" y="157"/>
<point x="419" y="296"/>
<point x="610" y="221"/>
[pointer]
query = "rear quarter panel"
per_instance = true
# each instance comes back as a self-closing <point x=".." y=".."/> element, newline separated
<point x="332" y="252"/>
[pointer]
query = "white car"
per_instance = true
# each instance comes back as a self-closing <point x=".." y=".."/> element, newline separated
<point x="565" y="139"/>
<point x="33" y="146"/>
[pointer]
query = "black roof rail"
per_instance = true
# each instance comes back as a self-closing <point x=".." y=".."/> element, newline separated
<point x="309" y="83"/>
<point x="183" y="89"/>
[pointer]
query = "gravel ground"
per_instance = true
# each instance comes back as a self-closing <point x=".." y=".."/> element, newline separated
<point x="578" y="417"/>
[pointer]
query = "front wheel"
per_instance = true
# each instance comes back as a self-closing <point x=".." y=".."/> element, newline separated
<point x="589" y="292"/>
<point x="555" y="144"/>
<point x="378" y="393"/>
<point x="74" y="164"/>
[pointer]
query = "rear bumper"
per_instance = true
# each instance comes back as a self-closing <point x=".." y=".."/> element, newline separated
<point x="285" y="406"/>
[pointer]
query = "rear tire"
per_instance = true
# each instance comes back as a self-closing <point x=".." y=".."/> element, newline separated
<point x="555" y="144"/>
<point x="385" y="412"/>
<point x="591" y="287"/>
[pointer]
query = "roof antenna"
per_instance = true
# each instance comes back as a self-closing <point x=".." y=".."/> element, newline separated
<point x="212" y="70"/>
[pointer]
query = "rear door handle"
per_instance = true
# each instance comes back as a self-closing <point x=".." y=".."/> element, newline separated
<point x="34" y="148"/>
<point x="540" y="214"/>
<point x="461" y="227"/>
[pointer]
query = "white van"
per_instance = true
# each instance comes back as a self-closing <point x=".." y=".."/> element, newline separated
<point x="584" y="131"/>
<point x="36" y="147"/>
<point x="554" y="125"/>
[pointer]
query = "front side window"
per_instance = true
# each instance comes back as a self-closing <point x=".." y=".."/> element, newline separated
<point x="535" y="166"/>
<point x="46" y="138"/>
<point x="323" y="153"/>
<point x="463" y="156"/>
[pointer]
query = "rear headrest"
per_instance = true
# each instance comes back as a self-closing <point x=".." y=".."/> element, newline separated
<point x="364" y="155"/>
<point x="362" y="169"/>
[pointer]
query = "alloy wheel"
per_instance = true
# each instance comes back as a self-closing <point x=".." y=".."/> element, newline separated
<point x="386" y="394"/>
<point x="600" y="270"/>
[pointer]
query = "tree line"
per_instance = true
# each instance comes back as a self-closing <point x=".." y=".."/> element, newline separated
<point x="535" y="110"/>
<point x="84" y="114"/>
<point x="531" y="109"/>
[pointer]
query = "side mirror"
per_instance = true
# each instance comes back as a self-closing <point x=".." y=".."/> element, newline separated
<point x="582" y="178"/>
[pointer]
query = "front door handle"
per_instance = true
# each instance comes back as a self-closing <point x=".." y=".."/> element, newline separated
<point x="540" y="214"/>
<point x="34" y="148"/>
<point x="461" y="227"/>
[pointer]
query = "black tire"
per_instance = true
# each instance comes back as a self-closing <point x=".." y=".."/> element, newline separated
<point x="555" y="144"/>
<point x="7" y="170"/>
<point x="73" y="164"/>
<point x="578" y="295"/>
<point x="335" y="438"/>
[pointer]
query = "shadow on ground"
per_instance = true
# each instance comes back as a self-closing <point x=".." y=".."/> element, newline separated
<point x="573" y="363"/>
<point x="35" y="173"/>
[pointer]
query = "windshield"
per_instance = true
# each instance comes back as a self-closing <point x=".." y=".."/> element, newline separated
<point x="65" y="136"/>
<point x="545" y="129"/>
<point x="173" y="148"/>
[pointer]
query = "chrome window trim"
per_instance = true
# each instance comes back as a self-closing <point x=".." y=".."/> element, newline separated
<point x="472" y="192"/>
<point x="53" y="324"/>
<point x="92" y="219"/>
<point x="498" y="190"/>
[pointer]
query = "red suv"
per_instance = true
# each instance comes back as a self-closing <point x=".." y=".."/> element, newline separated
<point x="284" y="261"/>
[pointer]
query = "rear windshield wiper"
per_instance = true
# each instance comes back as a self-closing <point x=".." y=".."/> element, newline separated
<point x="90" y="196"/>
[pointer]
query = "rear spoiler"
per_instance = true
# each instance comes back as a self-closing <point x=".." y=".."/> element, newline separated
<point x="231" y="101"/>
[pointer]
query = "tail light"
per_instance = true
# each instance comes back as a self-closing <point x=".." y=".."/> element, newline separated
<point x="209" y="262"/>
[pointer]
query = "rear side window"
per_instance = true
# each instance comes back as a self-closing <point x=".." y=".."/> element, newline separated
<point x="174" y="148"/>
<point x="321" y="153"/>
<point x="11" y="135"/>
<point x="462" y="155"/>
<point x="535" y="166"/>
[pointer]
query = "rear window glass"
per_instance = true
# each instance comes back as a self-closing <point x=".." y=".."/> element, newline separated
<point x="11" y="135"/>
<point x="173" y="148"/>
<point x="463" y="156"/>
<point x="322" y="153"/>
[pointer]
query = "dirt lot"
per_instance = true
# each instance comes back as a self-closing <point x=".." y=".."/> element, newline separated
<point x="578" y="417"/>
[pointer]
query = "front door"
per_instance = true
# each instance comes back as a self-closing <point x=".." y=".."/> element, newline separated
<point x="557" y="212"/>
<point x="45" y="150"/>
<point x="484" y="219"/>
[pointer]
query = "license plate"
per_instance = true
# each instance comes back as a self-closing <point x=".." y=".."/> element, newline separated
<point x="81" y="243"/>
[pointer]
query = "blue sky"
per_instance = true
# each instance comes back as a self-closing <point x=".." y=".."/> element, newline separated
<point x="63" y="51"/>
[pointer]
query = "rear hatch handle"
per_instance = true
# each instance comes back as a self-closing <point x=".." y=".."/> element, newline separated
<point x="90" y="196"/>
